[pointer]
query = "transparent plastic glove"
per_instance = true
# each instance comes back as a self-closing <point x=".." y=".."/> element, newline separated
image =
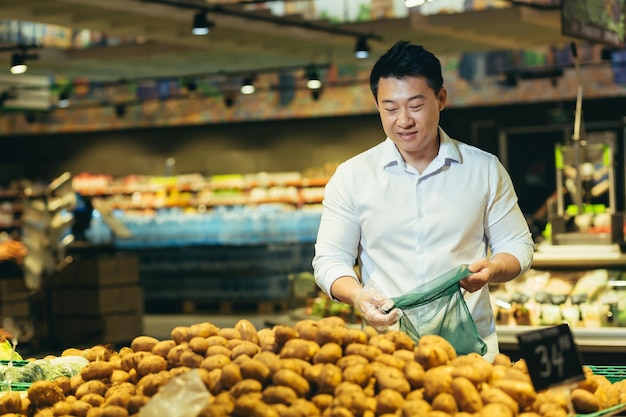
<point x="376" y="308"/>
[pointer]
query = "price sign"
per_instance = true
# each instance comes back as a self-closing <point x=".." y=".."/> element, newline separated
<point x="551" y="356"/>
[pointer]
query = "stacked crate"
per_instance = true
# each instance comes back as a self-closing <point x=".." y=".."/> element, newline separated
<point x="96" y="299"/>
<point x="14" y="301"/>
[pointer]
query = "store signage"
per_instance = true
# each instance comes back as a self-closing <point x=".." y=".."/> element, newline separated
<point x="551" y="356"/>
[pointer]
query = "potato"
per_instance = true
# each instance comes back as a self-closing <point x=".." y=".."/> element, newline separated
<point x="307" y="329"/>
<point x="44" y="394"/>
<point x="143" y="343"/>
<point x="431" y="355"/>
<point x="354" y="336"/>
<point x="289" y="378"/>
<point x="114" y="411"/>
<point x="199" y="344"/>
<point x="466" y="395"/>
<point x="190" y="359"/>
<point x="151" y="383"/>
<point x="283" y="333"/>
<point x="255" y="369"/>
<point x="328" y="353"/>
<point x="390" y="360"/>
<point x="173" y="356"/>
<point x="245" y="386"/>
<point x="151" y="364"/>
<point x="384" y="344"/>
<point x="204" y="330"/>
<point x="437" y="380"/>
<point x="522" y="392"/>
<point x="431" y="339"/>
<point x="301" y="407"/>
<point x="329" y="378"/>
<point x="96" y="370"/>
<point x="299" y="366"/>
<point x="351" y="359"/>
<point x="388" y="377"/>
<point x="416" y="408"/>
<point x="329" y="334"/>
<point x="496" y="410"/>
<point x="491" y="395"/>
<point x="334" y="321"/>
<point x="414" y="373"/>
<point x="229" y="333"/>
<point x="217" y="340"/>
<point x="274" y="394"/>
<point x="388" y="401"/>
<point x="94" y="386"/>
<point x="248" y="331"/>
<point x="180" y="334"/>
<point x="231" y="374"/>
<point x="322" y="401"/>
<point x="299" y="348"/>
<point x="367" y="351"/>
<point x="218" y="350"/>
<point x="359" y="373"/>
<point x="10" y="402"/>
<point x="270" y="359"/>
<point x="79" y="408"/>
<point x="93" y="399"/>
<point x="445" y="402"/>
<point x="135" y="402"/>
<point x="245" y="348"/>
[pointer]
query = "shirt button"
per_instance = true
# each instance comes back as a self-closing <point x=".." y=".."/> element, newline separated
<point x="420" y="250"/>
<point x="420" y="214"/>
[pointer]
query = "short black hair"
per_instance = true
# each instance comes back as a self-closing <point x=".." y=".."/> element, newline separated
<point x="405" y="59"/>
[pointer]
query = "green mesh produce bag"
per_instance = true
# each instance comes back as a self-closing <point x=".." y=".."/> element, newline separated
<point x="438" y="307"/>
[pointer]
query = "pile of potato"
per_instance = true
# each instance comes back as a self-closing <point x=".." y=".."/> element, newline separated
<point x="314" y="368"/>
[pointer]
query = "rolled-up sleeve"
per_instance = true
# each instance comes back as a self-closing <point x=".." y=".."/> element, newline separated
<point x="338" y="235"/>
<point x="507" y="230"/>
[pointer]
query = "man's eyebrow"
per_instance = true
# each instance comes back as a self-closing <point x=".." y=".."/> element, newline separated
<point x="420" y="96"/>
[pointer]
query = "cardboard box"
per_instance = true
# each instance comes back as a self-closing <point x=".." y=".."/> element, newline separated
<point x="13" y="288"/>
<point x="19" y="308"/>
<point x="96" y="301"/>
<point x="102" y="270"/>
<point x="68" y="331"/>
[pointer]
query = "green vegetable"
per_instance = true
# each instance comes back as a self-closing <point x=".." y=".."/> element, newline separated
<point x="6" y="349"/>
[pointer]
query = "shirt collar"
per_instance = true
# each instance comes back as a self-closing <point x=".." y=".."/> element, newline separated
<point x="448" y="151"/>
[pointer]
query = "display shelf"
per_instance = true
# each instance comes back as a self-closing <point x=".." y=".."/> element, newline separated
<point x="578" y="256"/>
<point x="601" y="339"/>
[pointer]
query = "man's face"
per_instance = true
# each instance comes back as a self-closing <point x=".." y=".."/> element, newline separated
<point x="409" y="112"/>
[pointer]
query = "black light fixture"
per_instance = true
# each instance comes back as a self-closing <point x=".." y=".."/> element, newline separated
<point x="64" y="100"/>
<point x="247" y="86"/>
<point x="120" y="110"/>
<point x="315" y="94"/>
<point x="18" y="63"/>
<point x="201" y="25"/>
<point x="313" y="79"/>
<point x="362" y="49"/>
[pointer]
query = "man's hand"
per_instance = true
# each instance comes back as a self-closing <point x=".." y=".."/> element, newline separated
<point x="376" y="309"/>
<point x="483" y="271"/>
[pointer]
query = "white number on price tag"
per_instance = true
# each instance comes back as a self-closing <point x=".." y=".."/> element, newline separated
<point x="551" y="356"/>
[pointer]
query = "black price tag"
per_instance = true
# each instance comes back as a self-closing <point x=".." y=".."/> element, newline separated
<point x="551" y="356"/>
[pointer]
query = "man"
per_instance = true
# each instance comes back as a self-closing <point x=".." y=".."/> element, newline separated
<point x="418" y="204"/>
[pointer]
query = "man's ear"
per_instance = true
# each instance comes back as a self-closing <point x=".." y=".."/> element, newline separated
<point x="443" y="96"/>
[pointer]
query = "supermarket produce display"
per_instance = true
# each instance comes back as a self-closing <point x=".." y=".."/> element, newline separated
<point x="315" y="367"/>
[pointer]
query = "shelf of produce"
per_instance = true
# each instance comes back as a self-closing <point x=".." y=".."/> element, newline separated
<point x="579" y="256"/>
<point x="601" y="339"/>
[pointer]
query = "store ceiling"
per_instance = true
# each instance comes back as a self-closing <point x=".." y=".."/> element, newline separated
<point x="242" y="43"/>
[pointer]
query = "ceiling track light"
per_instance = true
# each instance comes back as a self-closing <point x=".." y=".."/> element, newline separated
<point x="201" y="25"/>
<point x="313" y="79"/>
<point x="247" y="86"/>
<point x="362" y="49"/>
<point x="64" y="100"/>
<point x="18" y="63"/>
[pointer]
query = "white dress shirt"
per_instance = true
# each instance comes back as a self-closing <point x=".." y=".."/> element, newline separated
<point x="407" y="228"/>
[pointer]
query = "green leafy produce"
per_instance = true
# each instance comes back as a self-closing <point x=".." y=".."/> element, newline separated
<point x="6" y="349"/>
